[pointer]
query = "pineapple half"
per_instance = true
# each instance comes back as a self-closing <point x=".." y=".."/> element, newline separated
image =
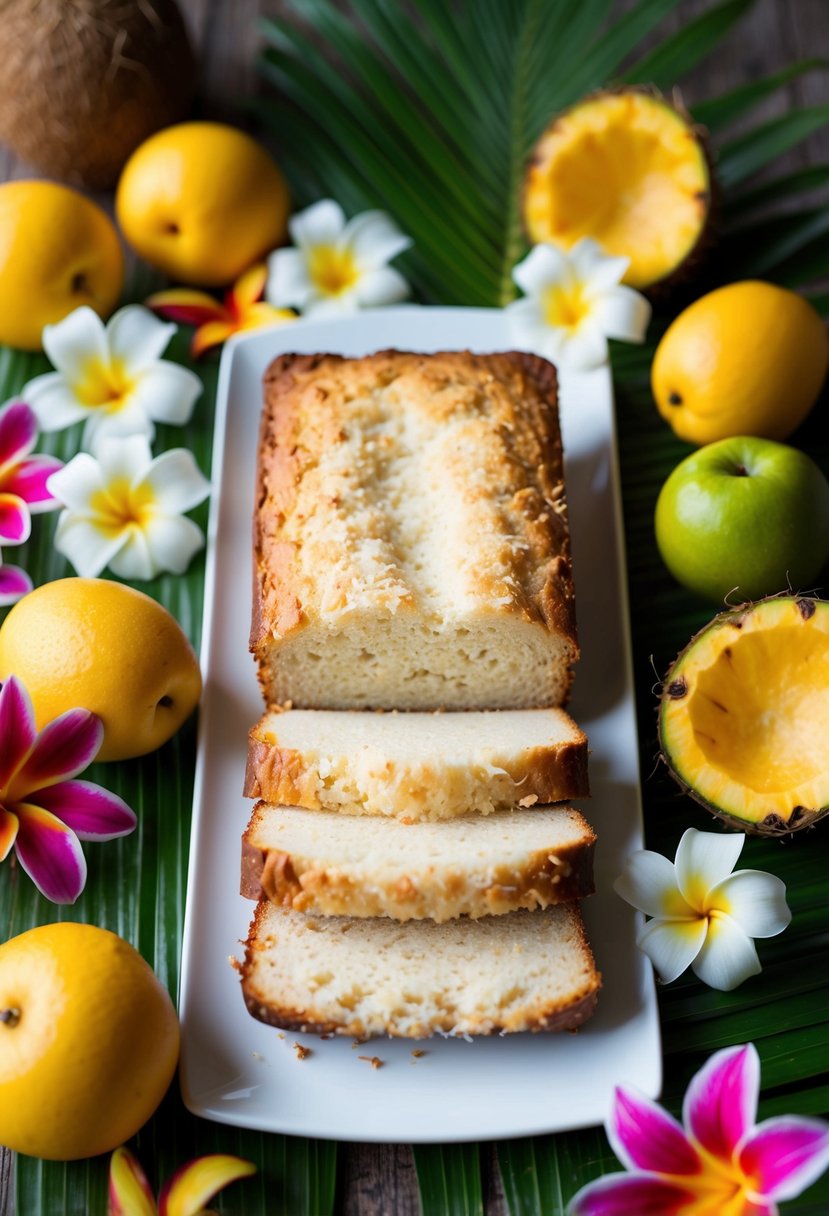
<point x="744" y="715"/>
<point x="629" y="169"/>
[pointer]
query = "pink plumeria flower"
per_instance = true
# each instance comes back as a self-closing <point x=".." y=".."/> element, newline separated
<point x="14" y="583"/>
<point x="44" y="812"/>
<point x="719" y="1163"/>
<point x="22" y="476"/>
<point x="186" y="1193"/>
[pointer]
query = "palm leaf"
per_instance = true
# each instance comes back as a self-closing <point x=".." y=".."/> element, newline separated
<point x="677" y="55"/>
<point x="449" y="1179"/>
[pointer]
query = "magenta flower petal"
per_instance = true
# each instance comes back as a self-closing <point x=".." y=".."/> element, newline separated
<point x="15" y="521"/>
<point x="721" y="1101"/>
<point x="14" y="584"/>
<point x="91" y="812"/>
<point x="17" y="729"/>
<point x="63" y="749"/>
<point x="50" y="853"/>
<point x="629" y="1194"/>
<point x="646" y="1137"/>
<point x="786" y="1155"/>
<point x="28" y="481"/>
<point x="8" y="831"/>
<point x="18" y="431"/>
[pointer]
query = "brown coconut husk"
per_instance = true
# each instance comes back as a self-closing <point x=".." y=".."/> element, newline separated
<point x="84" y="82"/>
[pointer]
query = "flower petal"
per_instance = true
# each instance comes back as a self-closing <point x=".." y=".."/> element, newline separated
<point x="134" y="559"/>
<point x="29" y="481"/>
<point x="632" y="1195"/>
<point x="176" y="481"/>
<point x="320" y="224"/>
<point x="167" y="543"/>
<point x="136" y="338"/>
<point x="544" y="266"/>
<point x="18" y="432"/>
<point x="78" y="481"/>
<point x="584" y="348"/>
<point x="167" y="393"/>
<point x="72" y="344"/>
<point x="703" y="859"/>
<point x="597" y="270"/>
<point x="728" y="957"/>
<point x="382" y="286"/>
<point x="195" y="1184"/>
<point x="53" y="401"/>
<point x="648" y="881"/>
<point x="289" y="279"/>
<point x="88" y="547"/>
<point x="14" y="584"/>
<point x="9" y="824"/>
<point x="672" y="945"/>
<point x="249" y="287"/>
<point x="756" y="901"/>
<point x="783" y="1156"/>
<point x="344" y="304"/>
<point x="623" y="313"/>
<point x="187" y="306"/>
<point x="374" y="239"/>
<point x="720" y="1103"/>
<point x="50" y="853"/>
<point x="92" y="812"/>
<point x="129" y="1191"/>
<point x="17" y="728"/>
<point x="210" y="334"/>
<point x="15" y="522"/>
<point x="645" y="1137"/>
<point x="123" y="458"/>
<point x="63" y="749"/>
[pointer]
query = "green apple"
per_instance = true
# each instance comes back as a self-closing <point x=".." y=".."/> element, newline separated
<point x="744" y="518"/>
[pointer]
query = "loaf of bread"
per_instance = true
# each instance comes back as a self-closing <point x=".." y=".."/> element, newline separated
<point x="330" y="864"/>
<point x="411" y="540"/>
<point x="524" y="971"/>
<point x="416" y="765"/>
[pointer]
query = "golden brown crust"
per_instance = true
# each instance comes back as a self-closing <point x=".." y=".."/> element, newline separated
<point x="509" y="401"/>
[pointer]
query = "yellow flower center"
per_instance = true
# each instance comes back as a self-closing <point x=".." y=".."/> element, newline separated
<point x="103" y="385"/>
<point x="565" y="305"/>
<point x="333" y="271"/>
<point x="120" y="506"/>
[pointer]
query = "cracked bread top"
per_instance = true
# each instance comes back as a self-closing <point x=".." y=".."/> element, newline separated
<point x="400" y="486"/>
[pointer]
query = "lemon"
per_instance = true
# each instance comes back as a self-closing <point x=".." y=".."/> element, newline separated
<point x="99" y="645"/>
<point x="202" y="201"/>
<point x="747" y="359"/>
<point x="58" y="250"/>
<point x="89" y="1041"/>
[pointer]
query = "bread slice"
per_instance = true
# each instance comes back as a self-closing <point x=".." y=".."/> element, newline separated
<point x="341" y="865"/>
<point x="416" y="765"/>
<point x="525" y="971"/>
<point x="410" y="534"/>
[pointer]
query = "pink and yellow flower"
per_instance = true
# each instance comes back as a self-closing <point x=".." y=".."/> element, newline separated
<point x="14" y="583"/>
<point x="44" y="812"/>
<point x="186" y="1193"/>
<point x="23" y="477"/>
<point x="243" y="308"/>
<point x="719" y="1162"/>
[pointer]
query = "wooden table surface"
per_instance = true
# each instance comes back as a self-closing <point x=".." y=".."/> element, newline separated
<point x="378" y="1180"/>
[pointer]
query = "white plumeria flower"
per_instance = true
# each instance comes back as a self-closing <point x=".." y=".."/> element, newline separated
<point x="112" y="376"/>
<point x="123" y="509"/>
<point x="704" y="917"/>
<point x="337" y="267"/>
<point x="574" y="301"/>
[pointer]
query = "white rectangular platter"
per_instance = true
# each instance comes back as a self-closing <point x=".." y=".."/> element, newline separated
<point x="236" y="1070"/>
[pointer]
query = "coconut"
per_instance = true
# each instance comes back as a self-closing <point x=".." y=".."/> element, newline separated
<point x="85" y="81"/>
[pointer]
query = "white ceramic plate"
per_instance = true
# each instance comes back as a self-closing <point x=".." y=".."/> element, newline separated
<point x="236" y="1070"/>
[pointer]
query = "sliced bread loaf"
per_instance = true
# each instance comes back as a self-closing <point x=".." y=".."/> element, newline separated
<point x="411" y="548"/>
<point x="341" y="865"/>
<point x="416" y="765"/>
<point x="525" y="971"/>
